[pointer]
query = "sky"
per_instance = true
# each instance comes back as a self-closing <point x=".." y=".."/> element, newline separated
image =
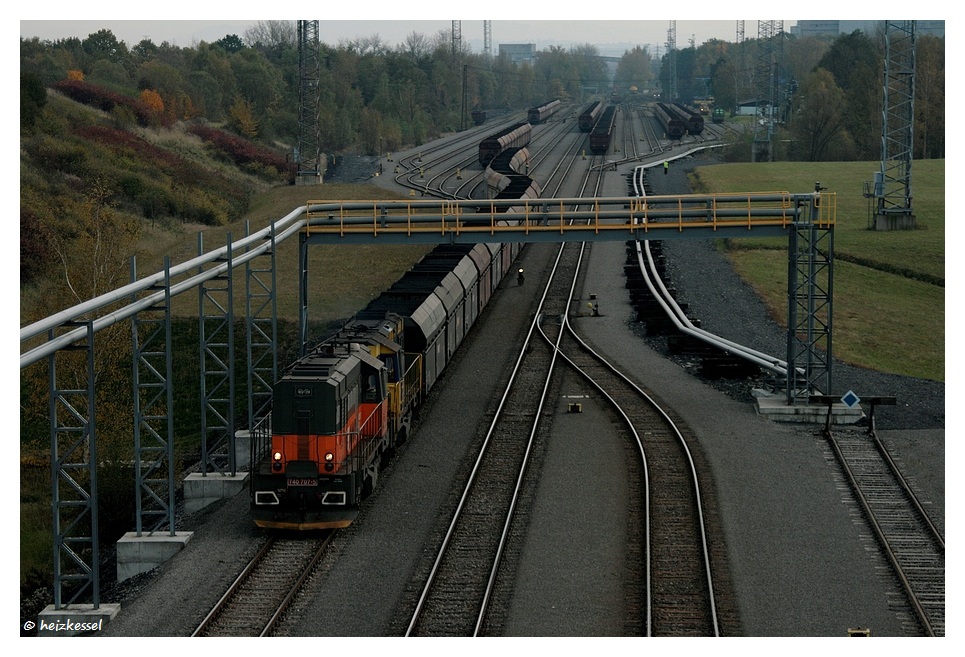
<point x="543" y="33"/>
<point x="186" y="23"/>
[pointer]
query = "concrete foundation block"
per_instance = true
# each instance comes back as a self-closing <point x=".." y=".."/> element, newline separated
<point x="71" y="620"/>
<point x="139" y="554"/>
<point x="776" y="408"/>
<point x="202" y="490"/>
<point x="242" y="449"/>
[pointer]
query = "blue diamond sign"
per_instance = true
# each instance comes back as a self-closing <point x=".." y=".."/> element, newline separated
<point x="850" y="399"/>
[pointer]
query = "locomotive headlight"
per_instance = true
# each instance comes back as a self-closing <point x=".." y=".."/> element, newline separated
<point x="277" y="456"/>
<point x="329" y="457"/>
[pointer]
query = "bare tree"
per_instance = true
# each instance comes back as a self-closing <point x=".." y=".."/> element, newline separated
<point x="272" y="33"/>
<point x="416" y="45"/>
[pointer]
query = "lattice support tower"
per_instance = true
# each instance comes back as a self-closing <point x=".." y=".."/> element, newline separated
<point x="894" y="194"/>
<point x="308" y="156"/>
<point x="672" y="61"/>
<point x="217" y="355"/>
<point x="488" y="39"/>
<point x="73" y="464"/>
<point x="261" y="318"/>
<point x="765" y="88"/>
<point x="456" y="38"/>
<point x="153" y="371"/>
<point x="810" y="283"/>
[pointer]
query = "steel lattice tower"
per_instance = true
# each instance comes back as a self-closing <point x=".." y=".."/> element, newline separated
<point x="672" y="61"/>
<point x="488" y="39"/>
<point x="897" y="127"/>
<point x="765" y="87"/>
<point x="308" y="169"/>
<point x="456" y="37"/>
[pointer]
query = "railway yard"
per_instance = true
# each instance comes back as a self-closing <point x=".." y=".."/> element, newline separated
<point x="557" y="537"/>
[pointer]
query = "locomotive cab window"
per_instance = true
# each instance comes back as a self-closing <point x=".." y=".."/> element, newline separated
<point x="371" y="389"/>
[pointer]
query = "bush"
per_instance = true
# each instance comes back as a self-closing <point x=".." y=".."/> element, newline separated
<point x="240" y="151"/>
<point x="108" y="101"/>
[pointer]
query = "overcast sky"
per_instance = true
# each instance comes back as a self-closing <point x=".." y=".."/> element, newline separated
<point x="635" y="22"/>
<point x="542" y="33"/>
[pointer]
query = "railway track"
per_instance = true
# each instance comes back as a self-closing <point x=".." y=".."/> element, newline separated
<point x="675" y="577"/>
<point x="680" y="595"/>
<point x="460" y="584"/>
<point x="911" y="543"/>
<point x="256" y="601"/>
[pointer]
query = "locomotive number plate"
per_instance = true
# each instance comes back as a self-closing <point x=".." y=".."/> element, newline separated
<point x="302" y="481"/>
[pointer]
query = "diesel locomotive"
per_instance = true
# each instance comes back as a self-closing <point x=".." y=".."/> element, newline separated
<point x="339" y="412"/>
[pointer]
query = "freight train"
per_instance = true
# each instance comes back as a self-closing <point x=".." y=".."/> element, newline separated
<point x="515" y="136"/>
<point x="590" y="116"/>
<point x="543" y="112"/>
<point x="693" y="120"/>
<point x="603" y="131"/>
<point x="673" y="126"/>
<point x="339" y="412"/>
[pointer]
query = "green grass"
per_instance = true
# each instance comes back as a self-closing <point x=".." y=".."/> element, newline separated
<point x="889" y="295"/>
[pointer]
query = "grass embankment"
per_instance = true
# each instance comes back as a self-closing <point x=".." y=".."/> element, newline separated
<point x="889" y="295"/>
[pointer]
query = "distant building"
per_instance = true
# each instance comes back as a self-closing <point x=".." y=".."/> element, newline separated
<point x="822" y="28"/>
<point x="519" y="53"/>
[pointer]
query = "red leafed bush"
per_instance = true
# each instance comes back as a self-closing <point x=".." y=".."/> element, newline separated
<point x="107" y="100"/>
<point x="241" y="151"/>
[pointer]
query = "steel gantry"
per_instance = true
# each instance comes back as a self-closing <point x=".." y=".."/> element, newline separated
<point x="806" y="220"/>
<point x="155" y="484"/>
<point x="66" y="341"/>
<point x="769" y="49"/>
<point x="893" y="193"/>
<point x="308" y="155"/>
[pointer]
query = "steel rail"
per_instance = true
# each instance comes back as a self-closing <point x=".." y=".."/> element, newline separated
<point x="648" y="530"/>
<point x="691" y="465"/>
<point x="880" y="534"/>
<point x="234" y="587"/>
<point x="430" y="580"/>
<point x="296" y="587"/>
<point x="477" y="466"/>
<point x="926" y="519"/>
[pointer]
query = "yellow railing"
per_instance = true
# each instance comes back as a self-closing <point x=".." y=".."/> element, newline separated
<point x="631" y="214"/>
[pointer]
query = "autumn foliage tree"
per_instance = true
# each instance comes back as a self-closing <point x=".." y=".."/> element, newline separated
<point x="152" y="101"/>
